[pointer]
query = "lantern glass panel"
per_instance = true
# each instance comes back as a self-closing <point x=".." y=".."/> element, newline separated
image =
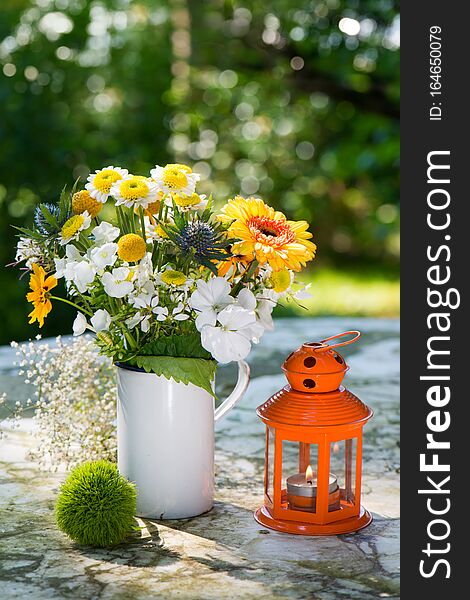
<point x="299" y="475"/>
<point x="269" y="477"/>
<point x="343" y="466"/>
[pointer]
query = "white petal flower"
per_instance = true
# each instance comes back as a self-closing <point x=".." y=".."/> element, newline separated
<point x="72" y="254"/>
<point x="175" y="179"/>
<point x="116" y="284"/>
<point x="161" y="312"/>
<point x="209" y="299"/>
<point x="80" y="273"/>
<point x="246" y="299"/>
<point x="80" y="324"/>
<point x="131" y="322"/>
<point x="267" y="300"/>
<point x="231" y="339"/>
<point x="105" y="232"/>
<point x="101" y="320"/>
<point x="302" y="293"/>
<point x="135" y="190"/>
<point x="144" y="272"/>
<point x="178" y="314"/>
<point x="100" y="182"/>
<point x="29" y="251"/>
<point x="104" y="256"/>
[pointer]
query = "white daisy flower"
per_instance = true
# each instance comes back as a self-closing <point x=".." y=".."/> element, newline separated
<point x="135" y="190"/>
<point x="100" y="182"/>
<point x="175" y="179"/>
<point x="187" y="203"/>
<point x="73" y="227"/>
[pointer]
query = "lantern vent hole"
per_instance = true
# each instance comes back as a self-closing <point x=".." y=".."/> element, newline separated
<point x="339" y="359"/>
<point x="310" y="362"/>
<point x="309" y="383"/>
<point x="314" y="344"/>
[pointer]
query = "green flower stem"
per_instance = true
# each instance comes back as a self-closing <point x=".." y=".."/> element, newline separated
<point x="142" y="222"/>
<point x="85" y="241"/>
<point x="122" y="220"/>
<point x="246" y="277"/>
<point x="79" y="308"/>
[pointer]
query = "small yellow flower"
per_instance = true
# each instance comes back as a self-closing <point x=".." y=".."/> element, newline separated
<point x="131" y="247"/>
<point x="74" y="226"/>
<point x="280" y="280"/>
<point x="171" y="277"/>
<point x="40" y="292"/>
<point x="82" y="201"/>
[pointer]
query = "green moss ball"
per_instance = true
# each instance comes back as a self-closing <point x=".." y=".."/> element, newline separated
<point x="96" y="505"/>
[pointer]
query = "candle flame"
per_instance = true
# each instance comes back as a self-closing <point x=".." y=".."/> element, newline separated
<point x="309" y="474"/>
<point x="336" y="448"/>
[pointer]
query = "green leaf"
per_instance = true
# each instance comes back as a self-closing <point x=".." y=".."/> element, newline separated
<point x="197" y="371"/>
<point x="49" y="216"/>
<point x="29" y="232"/>
<point x="183" y="346"/>
<point x="65" y="201"/>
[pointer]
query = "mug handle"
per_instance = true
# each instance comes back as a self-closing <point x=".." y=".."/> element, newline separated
<point x="238" y="391"/>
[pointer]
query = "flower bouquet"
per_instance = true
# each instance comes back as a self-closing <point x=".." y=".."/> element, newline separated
<point x="170" y="288"/>
<point x="167" y="284"/>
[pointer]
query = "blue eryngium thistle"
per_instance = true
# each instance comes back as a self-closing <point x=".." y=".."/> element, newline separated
<point x="96" y="505"/>
<point x="42" y="225"/>
<point x="199" y="237"/>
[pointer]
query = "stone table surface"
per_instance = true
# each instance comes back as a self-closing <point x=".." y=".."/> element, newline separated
<point x="224" y="553"/>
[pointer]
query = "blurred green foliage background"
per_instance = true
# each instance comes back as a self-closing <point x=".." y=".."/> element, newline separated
<point x="295" y="101"/>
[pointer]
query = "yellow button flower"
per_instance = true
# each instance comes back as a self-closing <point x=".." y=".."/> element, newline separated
<point x="82" y="201"/>
<point x="131" y="247"/>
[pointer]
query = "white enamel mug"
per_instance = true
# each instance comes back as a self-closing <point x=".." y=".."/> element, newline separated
<point x="165" y="433"/>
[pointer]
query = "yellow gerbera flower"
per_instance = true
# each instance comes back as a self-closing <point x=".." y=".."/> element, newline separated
<point x="267" y="234"/>
<point x="40" y="291"/>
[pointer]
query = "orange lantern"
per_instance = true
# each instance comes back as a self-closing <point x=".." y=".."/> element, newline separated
<point x="313" y="459"/>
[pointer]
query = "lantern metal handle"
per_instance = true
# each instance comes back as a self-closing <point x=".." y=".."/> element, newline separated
<point x="238" y="391"/>
<point x="356" y="334"/>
